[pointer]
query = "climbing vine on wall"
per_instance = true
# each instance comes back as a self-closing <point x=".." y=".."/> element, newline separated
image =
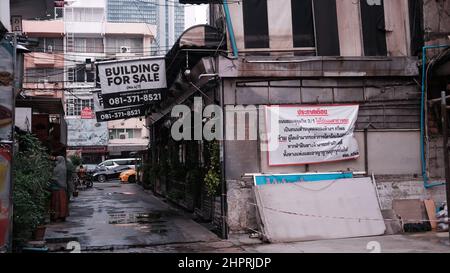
<point x="213" y="174"/>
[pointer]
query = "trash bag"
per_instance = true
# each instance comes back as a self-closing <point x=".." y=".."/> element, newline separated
<point x="417" y="227"/>
<point x="442" y="227"/>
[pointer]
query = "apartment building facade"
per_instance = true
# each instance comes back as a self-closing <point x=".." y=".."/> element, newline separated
<point x="60" y="77"/>
<point x="42" y="97"/>
<point x="89" y="38"/>
<point x="6" y="128"/>
<point x="167" y="16"/>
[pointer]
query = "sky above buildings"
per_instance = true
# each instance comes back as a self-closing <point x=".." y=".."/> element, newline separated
<point x="195" y="14"/>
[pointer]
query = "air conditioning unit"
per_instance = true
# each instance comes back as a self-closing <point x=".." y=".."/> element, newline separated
<point x="42" y="82"/>
<point x="123" y="136"/>
<point x="125" y="49"/>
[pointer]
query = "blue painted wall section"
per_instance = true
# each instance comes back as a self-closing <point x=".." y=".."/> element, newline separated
<point x="267" y="179"/>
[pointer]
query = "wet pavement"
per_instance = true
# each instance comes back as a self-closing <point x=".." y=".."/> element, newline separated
<point x="412" y="243"/>
<point x="120" y="216"/>
<point x="115" y="218"/>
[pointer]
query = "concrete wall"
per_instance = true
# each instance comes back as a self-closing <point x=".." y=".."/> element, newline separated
<point x="132" y="123"/>
<point x="387" y="108"/>
<point x="393" y="189"/>
<point x="31" y="9"/>
<point x="381" y="159"/>
<point x="5" y="17"/>
<point x="43" y="28"/>
<point x="349" y="24"/>
<point x="436" y="21"/>
<point x="389" y="104"/>
<point x="435" y="157"/>
<point x="242" y="213"/>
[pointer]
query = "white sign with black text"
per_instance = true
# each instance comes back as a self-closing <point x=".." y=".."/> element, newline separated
<point x="132" y="82"/>
<point x="311" y="134"/>
<point x="104" y="115"/>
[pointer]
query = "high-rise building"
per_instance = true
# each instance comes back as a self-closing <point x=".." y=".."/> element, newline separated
<point x="60" y="78"/>
<point x="168" y="16"/>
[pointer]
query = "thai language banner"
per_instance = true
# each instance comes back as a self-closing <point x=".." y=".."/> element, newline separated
<point x="299" y="135"/>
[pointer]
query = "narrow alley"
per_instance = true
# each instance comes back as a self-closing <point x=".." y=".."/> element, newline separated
<point x="224" y="126"/>
<point x="113" y="215"/>
<point x="123" y="218"/>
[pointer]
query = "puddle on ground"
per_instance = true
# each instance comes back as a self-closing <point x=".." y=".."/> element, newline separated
<point x="121" y="193"/>
<point x="139" y="218"/>
<point x="146" y="222"/>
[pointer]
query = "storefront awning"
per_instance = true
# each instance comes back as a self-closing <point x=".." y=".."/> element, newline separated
<point x="119" y="148"/>
<point x="42" y="104"/>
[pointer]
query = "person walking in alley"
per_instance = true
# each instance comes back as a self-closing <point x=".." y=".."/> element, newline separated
<point x="59" y="202"/>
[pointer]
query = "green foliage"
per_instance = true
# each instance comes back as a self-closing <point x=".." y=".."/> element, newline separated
<point x="213" y="175"/>
<point x="32" y="172"/>
<point x="76" y="160"/>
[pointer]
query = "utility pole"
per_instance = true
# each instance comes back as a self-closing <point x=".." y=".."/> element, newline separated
<point x="444" y="119"/>
<point x="13" y="107"/>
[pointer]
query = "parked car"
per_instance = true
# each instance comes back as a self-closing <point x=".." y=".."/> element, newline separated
<point x="111" y="163"/>
<point x="128" y="176"/>
<point x="106" y="174"/>
<point x="90" y="168"/>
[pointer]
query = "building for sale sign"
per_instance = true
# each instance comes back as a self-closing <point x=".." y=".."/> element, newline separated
<point x="132" y="82"/>
<point x="126" y="112"/>
<point x="300" y="135"/>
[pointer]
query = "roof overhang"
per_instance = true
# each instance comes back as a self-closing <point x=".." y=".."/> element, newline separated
<point x="42" y="104"/>
<point x="194" y="44"/>
<point x="183" y="88"/>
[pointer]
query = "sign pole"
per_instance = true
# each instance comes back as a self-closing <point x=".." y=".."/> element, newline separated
<point x="444" y="120"/>
<point x="13" y="113"/>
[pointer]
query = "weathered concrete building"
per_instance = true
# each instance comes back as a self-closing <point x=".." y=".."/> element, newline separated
<point x="437" y="78"/>
<point x="317" y="53"/>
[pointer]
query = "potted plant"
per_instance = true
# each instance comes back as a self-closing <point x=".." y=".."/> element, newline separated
<point x="39" y="232"/>
<point x="32" y="172"/>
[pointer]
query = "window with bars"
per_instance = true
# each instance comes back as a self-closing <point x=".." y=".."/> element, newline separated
<point x="89" y="45"/>
<point x="50" y="45"/>
<point x="115" y="44"/>
<point x="75" y="106"/>
<point x="124" y="133"/>
<point x="84" y="14"/>
<point x="41" y="75"/>
<point x="80" y="74"/>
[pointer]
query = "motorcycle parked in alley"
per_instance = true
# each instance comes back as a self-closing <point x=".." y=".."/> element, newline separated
<point x="83" y="181"/>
